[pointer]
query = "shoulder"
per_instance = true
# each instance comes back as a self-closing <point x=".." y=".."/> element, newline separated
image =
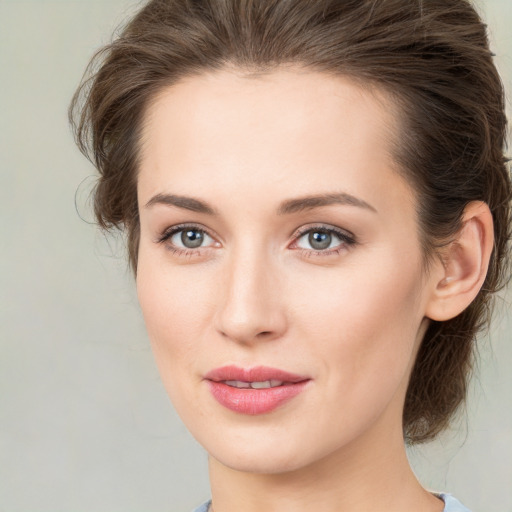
<point x="450" y="503"/>
<point x="203" y="507"/>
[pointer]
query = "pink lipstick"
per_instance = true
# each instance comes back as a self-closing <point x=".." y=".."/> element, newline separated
<point x="255" y="390"/>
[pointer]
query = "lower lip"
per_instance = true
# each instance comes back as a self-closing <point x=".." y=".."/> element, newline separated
<point x="254" y="401"/>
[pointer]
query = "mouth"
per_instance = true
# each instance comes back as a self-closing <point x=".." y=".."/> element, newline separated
<point x="266" y="384"/>
<point x="254" y="391"/>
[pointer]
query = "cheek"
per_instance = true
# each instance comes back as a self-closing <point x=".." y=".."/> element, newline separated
<point x="365" y="323"/>
<point x="167" y="311"/>
<point x="172" y="303"/>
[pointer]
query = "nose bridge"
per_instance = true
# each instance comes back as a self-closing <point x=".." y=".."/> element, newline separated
<point x="250" y="308"/>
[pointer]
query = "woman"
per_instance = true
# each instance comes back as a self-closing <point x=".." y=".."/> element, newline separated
<point x="317" y="208"/>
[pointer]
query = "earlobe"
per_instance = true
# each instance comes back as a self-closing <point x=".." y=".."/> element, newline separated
<point x="464" y="264"/>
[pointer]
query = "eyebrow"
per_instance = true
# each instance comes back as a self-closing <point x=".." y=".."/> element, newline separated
<point x="187" y="203"/>
<point x="287" y="207"/>
<point x="310" y="202"/>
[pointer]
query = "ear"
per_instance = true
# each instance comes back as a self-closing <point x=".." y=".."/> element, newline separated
<point x="463" y="264"/>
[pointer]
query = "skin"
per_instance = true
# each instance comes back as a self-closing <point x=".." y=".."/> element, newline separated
<point x="257" y="293"/>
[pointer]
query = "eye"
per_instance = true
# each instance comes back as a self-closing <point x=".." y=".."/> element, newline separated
<point x="324" y="240"/>
<point x="189" y="238"/>
<point x="186" y="238"/>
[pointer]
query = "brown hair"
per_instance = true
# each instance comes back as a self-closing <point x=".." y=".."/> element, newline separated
<point x="431" y="56"/>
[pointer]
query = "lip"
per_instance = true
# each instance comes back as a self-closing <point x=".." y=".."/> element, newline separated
<point x="254" y="401"/>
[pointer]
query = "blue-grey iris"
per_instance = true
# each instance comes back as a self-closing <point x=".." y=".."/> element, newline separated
<point x="320" y="239"/>
<point x="192" y="238"/>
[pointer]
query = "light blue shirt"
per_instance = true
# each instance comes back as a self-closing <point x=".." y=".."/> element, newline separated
<point x="450" y="504"/>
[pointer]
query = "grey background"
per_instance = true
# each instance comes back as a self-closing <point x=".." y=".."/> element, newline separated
<point x="85" y="424"/>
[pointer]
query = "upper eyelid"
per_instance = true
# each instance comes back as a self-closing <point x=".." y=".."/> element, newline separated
<point x="326" y="227"/>
<point x="298" y="233"/>
<point x="172" y="230"/>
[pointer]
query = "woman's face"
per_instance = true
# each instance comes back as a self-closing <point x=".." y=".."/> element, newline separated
<point x="277" y="236"/>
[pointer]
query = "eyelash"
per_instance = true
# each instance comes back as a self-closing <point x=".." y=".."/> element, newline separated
<point x="347" y="240"/>
<point x="170" y="232"/>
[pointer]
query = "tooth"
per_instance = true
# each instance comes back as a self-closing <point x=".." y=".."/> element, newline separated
<point x="237" y="384"/>
<point x="260" y="385"/>
<point x="254" y="385"/>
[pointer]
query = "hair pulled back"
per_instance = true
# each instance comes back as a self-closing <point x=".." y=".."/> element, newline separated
<point x="431" y="56"/>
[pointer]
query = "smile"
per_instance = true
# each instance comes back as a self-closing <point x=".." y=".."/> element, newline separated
<point x="254" y="391"/>
<point x="254" y="385"/>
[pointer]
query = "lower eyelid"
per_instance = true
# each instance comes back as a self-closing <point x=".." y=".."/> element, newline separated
<point x="345" y="241"/>
<point x="312" y="253"/>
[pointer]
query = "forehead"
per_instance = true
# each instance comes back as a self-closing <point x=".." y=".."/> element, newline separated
<point x="286" y="98"/>
<point x="295" y="127"/>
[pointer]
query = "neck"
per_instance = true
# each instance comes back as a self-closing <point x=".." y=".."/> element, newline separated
<point x="371" y="474"/>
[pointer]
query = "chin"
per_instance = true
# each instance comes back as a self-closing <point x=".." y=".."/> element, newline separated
<point x="264" y="452"/>
<point x="271" y="463"/>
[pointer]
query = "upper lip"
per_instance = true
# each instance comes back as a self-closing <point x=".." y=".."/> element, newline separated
<point x="256" y="374"/>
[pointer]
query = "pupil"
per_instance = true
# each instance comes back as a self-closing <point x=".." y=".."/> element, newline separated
<point x="192" y="239"/>
<point x="320" y="239"/>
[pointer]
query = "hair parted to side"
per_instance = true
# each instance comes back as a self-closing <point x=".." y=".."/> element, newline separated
<point x="431" y="56"/>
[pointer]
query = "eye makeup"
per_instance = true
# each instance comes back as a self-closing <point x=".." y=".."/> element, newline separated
<point x="326" y="235"/>
<point x="324" y="240"/>
<point x="190" y="233"/>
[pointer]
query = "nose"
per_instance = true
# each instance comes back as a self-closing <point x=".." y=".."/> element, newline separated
<point x="250" y="305"/>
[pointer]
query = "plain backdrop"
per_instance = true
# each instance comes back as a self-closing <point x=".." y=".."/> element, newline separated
<point x="85" y="424"/>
